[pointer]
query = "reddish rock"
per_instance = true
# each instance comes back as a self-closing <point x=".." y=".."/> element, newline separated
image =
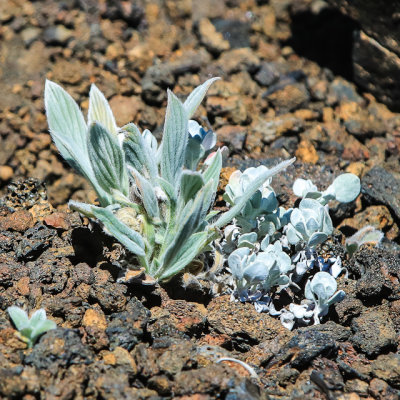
<point x="19" y="221"/>
<point x="58" y="220"/>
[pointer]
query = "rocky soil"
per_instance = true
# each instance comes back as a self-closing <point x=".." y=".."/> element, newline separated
<point x="286" y="90"/>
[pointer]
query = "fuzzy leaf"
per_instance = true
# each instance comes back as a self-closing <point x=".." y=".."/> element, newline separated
<point x="226" y="217"/>
<point x="107" y="160"/>
<point x="346" y="187"/>
<point x="67" y="126"/>
<point x="100" y="111"/>
<point x="197" y="96"/>
<point x="19" y="317"/>
<point x="138" y="152"/>
<point x="37" y="316"/>
<point x="214" y="170"/>
<point x="42" y="327"/>
<point x="191" y="183"/>
<point x="194" y="152"/>
<point x="190" y="249"/>
<point x="174" y="140"/>
<point x="168" y="189"/>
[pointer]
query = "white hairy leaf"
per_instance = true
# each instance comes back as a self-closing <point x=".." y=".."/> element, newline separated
<point x="174" y="140"/>
<point x="107" y="160"/>
<point x="197" y="96"/>
<point x="100" y="111"/>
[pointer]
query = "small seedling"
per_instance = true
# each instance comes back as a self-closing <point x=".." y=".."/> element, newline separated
<point x="29" y="329"/>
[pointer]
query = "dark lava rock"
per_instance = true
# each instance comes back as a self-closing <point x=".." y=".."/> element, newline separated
<point x="24" y="194"/>
<point x="246" y="390"/>
<point x="380" y="186"/>
<point x="59" y="348"/>
<point x="35" y="241"/>
<point x="378" y="273"/>
<point x="376" y="47"/>
<point x="111" y="296"/>
<point x="267" y="74"/>
<point x="307" y="344"/>
<point x="126" y="329"/>
<point x="341" y="90"/>
<point x="374" y="331"/>
<point x="154" y="83"/>
<point x="236" y="32"/>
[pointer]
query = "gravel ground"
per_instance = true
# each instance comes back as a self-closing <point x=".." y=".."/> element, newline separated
<point x="286" y="90"/>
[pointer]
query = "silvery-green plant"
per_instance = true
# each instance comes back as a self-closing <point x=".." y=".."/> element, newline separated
<point x="345" y="189"/>
<point x="321" y="290"/>
<point x="256" y="274"/>
<point x="310" y="224"/>
<point x="297" y="313"/>
<point x="154" y="199"/>
<point x="260" y="217"/>
<point x="30" y="329"/>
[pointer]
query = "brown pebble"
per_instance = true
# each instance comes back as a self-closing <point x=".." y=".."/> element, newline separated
<point x="6" y="172"/>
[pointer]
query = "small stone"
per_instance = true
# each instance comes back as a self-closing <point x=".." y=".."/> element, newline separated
<point x="6" y="173"/>
<point x="342" y="90"/>
<point x="306" y="344"/>
<point x="306" y="152"/>
<point x="235" y="31"/>
<point x="19" y="221"/>
<point x="380" y="186"/>
<point x="267" y="74"/>
<point x="232" y="135"/>
<point x="356" y="168"/>
<point x="210" y="38"/>
<point x="288" y="98"/>
<point x="239" y="60"/>
<point x="29" y="35"/>
<point x="241" y="322"/>
<point x="357" y="386"/>
<point x="94" y="317"/>
<point x="58" y="34"/>
<point x="58" y="220"/>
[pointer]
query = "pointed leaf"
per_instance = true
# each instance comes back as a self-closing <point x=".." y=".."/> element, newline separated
<point x="18" y="316"/>
<point x="138" y="152"/>
<point x="214" y="170"/>
<point x="100" y="111"/>
<point x="174" y="140"/>
<point x="197" y="96"/>
<point x="107" y="160"/>
<point x="37" y="316"/>
<point x="67" y="125"/>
